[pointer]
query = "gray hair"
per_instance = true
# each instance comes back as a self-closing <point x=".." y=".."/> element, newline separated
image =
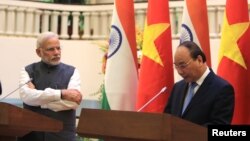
<point x="43" y="37"/>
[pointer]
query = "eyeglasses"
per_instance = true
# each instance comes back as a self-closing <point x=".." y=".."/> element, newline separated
<point x="52" y="49"/>
<point x="182" y="65"/>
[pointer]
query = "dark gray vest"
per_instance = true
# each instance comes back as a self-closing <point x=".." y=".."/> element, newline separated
<point x="56" y="77"/>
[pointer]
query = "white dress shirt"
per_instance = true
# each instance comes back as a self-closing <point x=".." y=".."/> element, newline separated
<point x="48" y="98"/>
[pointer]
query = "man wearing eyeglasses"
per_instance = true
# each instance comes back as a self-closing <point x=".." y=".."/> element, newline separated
<point x="54" y="89"/>
<point x="201" y="97"/>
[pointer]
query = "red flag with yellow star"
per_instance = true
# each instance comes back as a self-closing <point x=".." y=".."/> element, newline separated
<point x="156" y="71"/>
<point x="234" y="57"/>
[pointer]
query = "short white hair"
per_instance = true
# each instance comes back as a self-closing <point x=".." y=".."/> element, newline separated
<point x="43" y="37"/>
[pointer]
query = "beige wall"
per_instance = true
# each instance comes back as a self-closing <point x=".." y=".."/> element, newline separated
<point x="15" y="53"/>
<point x="84" y="55"/>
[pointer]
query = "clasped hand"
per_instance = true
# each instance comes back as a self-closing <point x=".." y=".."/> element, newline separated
<point x="72" y="95"/>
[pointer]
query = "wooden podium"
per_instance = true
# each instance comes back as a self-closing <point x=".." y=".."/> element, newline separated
<point x="17" y="122"/>
<point x="137" y="126"/>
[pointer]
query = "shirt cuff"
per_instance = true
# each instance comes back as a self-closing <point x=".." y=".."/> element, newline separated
<point x="57" y="94"/>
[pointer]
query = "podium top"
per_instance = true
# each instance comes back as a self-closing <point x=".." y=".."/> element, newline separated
<point x="16" y="121"/>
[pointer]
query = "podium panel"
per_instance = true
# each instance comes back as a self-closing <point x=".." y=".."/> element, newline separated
<point x="17" y="122"/>
<point x="183" y="130"/>
<point x="137" y="126"/>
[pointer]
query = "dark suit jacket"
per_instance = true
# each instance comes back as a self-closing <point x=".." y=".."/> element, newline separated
<point x="213" y="103"/>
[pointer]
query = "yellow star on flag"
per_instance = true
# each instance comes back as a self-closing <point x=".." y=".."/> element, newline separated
<point x="152" y="32"/>
<point x="230" y="35"/>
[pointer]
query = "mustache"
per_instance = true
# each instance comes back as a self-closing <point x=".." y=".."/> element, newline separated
<point x="56" y="57"/>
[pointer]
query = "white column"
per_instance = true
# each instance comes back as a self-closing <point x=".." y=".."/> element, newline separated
<point x="54" y="21"/>
<point x="10" y="20"/>
<point x="95" y="22"/>
<point x="110" y="16"/>
<point x="86" y="34"/>
<point x="140" y="18"/>
<point x="3" y="19"/>
<point x="220" y="17"/>
<point x="20" y="21"/>
<point x="29" y="23"/>
<point x="45" y="21"/>
<point x="37" y="26"/>
<point x="75" y="31"/>
<point x="212" y="21"/>
<point x="173" y="21"/>
<point x="179" y="14"/>
<point x="64" y="25"/>
<point x="91" y="1"/>
<point x="104" y="24"/>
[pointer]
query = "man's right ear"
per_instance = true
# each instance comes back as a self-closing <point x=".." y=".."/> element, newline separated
<point x="38" y="52"/>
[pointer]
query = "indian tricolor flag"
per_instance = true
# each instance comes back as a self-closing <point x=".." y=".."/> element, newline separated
<point x="156" y="71"/>
<point x="234" y="56"/>
<point x="195" y="25"/>
<point x="121" y="76"/>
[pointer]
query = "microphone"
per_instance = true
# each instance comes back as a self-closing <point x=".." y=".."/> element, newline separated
<point x="0" y="88"/>
<point x="160" y="92"/>
<point x="15" y="89"/>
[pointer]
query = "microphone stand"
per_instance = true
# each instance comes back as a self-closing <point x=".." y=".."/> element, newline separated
<point x="15" y="90"/>
<point x="160" y="92"/>
<point x="0" y="88"/>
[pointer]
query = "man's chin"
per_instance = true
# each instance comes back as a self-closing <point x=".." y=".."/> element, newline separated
<point x="54" y="63"/>
<point x="186" y="79"/>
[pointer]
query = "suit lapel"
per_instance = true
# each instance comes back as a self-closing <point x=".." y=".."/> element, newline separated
<point x="201" y="92"/>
